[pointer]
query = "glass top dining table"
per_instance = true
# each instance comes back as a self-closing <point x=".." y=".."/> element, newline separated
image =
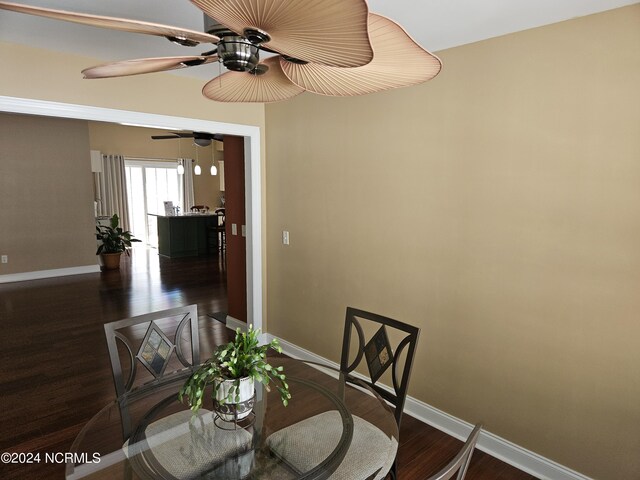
<point x="150" y="434"/>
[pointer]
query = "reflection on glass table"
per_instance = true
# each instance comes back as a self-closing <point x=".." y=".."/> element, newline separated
<point x="168" y="442"/>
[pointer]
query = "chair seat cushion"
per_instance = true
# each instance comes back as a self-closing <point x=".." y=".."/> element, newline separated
<point x="306" y="444"/>
<point x="185" y="445"/>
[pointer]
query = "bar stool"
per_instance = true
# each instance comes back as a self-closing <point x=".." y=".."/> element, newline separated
<point x="200" y="208"/>
<point x="221" y="228"/>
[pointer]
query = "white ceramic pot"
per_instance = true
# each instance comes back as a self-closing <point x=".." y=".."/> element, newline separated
<point x="228" y="409"/>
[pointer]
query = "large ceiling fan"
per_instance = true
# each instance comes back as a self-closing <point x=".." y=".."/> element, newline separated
<point x="328" y="47"/>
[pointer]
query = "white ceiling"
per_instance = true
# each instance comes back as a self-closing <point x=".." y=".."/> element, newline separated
<point x="435" y="24"/>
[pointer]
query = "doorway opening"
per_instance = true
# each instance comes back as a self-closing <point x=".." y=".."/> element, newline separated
<point x="252" y="164"/>
<point x="149" y="185"/>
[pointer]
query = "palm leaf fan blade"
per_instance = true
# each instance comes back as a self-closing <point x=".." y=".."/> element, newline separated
<point x="398" y="62"/>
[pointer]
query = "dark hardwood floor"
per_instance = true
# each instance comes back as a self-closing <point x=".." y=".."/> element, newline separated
<point x="55" y="373"/>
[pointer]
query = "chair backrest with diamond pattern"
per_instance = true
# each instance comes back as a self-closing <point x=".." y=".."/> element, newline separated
<point x="379" y="355"/>
<point x="158" y="342"/>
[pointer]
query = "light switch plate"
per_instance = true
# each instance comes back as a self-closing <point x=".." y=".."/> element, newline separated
<point x="285" y="237"/>
<point x="243" y="230"/>
<point x="234" y="229"/>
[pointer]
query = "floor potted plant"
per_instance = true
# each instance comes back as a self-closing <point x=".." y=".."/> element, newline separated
<point x="232" y="370"/>
<point x="114" y="241"/>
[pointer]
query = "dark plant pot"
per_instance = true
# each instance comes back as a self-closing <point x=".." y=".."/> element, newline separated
<point x="110" y="261"/>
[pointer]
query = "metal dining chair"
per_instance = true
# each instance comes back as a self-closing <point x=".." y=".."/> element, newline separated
<point x="197" y="208"/>
<point x="460" y="463"/>
<point x="301" y="445"/>
<point x="169" y="351"/>
<point x="163" y="358"/>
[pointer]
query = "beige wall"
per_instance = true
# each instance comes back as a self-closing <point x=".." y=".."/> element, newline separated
<point x="498" y="208"/>
<point x="46" y="194"/>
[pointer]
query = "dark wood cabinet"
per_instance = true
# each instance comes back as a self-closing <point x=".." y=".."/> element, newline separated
<point x="187" y="235"/>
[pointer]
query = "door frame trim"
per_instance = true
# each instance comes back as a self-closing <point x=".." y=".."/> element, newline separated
<point x="252" y="164"/>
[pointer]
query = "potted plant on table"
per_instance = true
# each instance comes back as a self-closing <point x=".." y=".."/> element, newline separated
<point x="232" y="369"/>
<point x="115" y="241"/>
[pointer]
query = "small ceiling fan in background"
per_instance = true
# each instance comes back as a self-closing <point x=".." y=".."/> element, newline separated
<point x="201" y="139"/>
<point x="328" y="47"/>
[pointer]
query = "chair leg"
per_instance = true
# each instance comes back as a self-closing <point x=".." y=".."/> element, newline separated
<point x="393" y="473"/>
<point x="222" y="240"/>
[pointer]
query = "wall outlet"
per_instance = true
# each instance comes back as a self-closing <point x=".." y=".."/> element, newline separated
<point x="285" y="237"/>
<point x="5" y="258"/>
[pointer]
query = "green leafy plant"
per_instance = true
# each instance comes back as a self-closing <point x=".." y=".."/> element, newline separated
<point x="114" y="239"/>
<point x="242" y="357"/>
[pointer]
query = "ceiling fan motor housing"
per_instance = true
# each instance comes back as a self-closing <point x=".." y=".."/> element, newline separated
<point x="238" y="54"/>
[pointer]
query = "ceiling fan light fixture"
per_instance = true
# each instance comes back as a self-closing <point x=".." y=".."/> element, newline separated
<point x="202" y="142"/>
<point x="197" y="170"/>
<point x="214" y="169"/>
<point x="238" y="54"/>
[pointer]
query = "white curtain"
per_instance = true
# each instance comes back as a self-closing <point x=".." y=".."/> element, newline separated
<point x="111" y="189"/>
<point x="187" y="190"/>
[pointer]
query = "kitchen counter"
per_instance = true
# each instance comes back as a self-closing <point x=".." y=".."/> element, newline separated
<point x="187" y="235"/>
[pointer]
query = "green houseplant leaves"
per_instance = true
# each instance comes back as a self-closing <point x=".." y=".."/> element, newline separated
<point x="114" y="239"/>
<point x="242" y="357"/>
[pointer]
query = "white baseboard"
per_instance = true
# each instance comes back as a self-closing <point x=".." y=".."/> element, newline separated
<point x="58" y="272"/>
<point x="234" y="323"/>
<point x="495" y="446"/>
